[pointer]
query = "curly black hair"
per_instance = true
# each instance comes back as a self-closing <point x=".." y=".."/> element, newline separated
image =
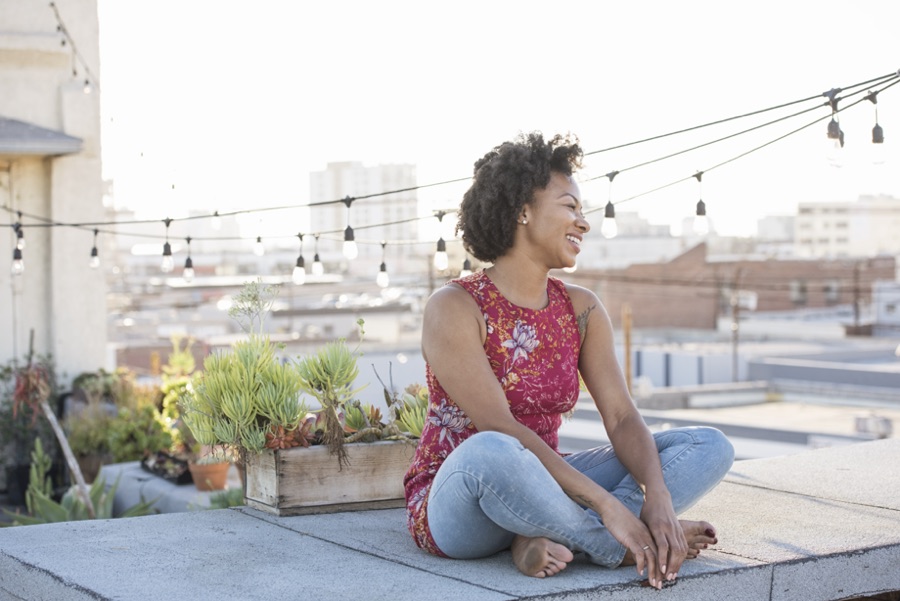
<point x="505" y="181"/>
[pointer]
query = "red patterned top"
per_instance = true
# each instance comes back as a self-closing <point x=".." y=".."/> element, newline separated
<point x="533" y="353"/>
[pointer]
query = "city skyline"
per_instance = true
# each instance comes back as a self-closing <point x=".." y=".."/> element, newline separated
<point x="235" y="110"/>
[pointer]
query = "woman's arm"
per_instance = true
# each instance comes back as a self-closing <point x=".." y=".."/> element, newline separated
<point x="453" y="344"/>
<point x="629" y="435"/>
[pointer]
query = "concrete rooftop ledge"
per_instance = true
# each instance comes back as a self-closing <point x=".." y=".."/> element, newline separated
<point x="820" y="525"/>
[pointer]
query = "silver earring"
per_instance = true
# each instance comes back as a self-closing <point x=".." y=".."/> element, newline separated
<point x="524" y="222"/>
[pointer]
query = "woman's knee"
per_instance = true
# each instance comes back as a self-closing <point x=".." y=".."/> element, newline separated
<point x="716" y="445"/>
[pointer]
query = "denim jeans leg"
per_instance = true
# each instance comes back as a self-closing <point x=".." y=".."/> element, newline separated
<point x="694" y="459"/>
<point x="491" y="488"/>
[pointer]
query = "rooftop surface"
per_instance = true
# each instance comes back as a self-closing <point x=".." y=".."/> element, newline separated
<point x="818" y="525"/>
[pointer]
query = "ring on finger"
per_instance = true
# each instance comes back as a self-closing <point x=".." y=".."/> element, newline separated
<point x="645" y="547"/>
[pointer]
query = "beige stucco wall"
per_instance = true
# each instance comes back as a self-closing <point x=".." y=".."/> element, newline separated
<point x="59" y="296"/>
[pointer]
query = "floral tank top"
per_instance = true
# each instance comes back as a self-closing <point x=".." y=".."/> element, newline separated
<point x="533" y="353"/>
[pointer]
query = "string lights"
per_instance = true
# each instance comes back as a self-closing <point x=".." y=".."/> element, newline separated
<point x="382" y="279"/>
<point x="608" y="227"/>
<point x="317" y="268"/>
<point x="89" y="80"/>
<point x="259" y="249"/>
<point x="94" y="261"/>
<point x="18" y="265"/>
<point x="440" y="260"/>
<point x="701" y="222"/>
<point x="298" y="276"/>
<point x="168" y="262"/>
<point x="351" y="250"/>
<point x="188" y="274"/>
<point x="466" y="268"/>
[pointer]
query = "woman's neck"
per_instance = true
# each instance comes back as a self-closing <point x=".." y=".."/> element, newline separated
<point x="521" y="283"/>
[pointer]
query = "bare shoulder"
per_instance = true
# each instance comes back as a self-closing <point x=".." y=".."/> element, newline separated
<point x="450" y="298"/>
<point x="587" y="306"/>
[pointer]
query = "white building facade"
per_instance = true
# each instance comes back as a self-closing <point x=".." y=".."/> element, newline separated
<point x="50" y="174"/>
<point x="865" y="228"/>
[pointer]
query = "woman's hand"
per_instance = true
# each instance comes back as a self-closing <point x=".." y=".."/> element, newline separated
<point x="670" y="544"/>
<point x="636" y="536"/>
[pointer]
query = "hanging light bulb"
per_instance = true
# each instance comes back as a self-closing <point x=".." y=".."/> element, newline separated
<point x="317" y="267"/>
<point x="188" y="274"/>
<point x="351" y="250"/>
<point x="441" y="261"/>
<point x="608" y="227"/>
<point x="834" y="134"/>
<point x="94" y="261"/>
<point x="382" y="279"/>
<point x="466" y="270"/>
<point x="701" y="222"/>
<point x="877" y="134"/>
<point x="216" y="222"/>
<point x="168" y="262"/>
<point x="20" y="234"/>
<point x="18" y="265"/>
<point x="87" y="89"/>
<point x="298" y="276"/>
<point x="258" y="248"/>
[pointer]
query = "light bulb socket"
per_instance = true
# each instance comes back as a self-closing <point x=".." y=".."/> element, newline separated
<point x="17" y="254"/>
<point x="467" y="265"/>
<point x="441" y="245"/>
<point x="701" y="208"/>
<point x="834" y="130"/>
<point x="94" y="253"/>
<point x="383" y="266"/>
<point x="877" y="135"/>
<point x="610" y="210"/>
<point x="167" y="250"/>
<point x="188" y="263"/>
<point x="348" y="234"/>
<point x="301" y="263"/>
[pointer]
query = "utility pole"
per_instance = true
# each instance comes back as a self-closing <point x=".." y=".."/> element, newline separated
<point x="735" y="324"/>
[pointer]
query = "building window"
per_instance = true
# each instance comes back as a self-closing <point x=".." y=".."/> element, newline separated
<point x="832" y="292"/>
<point x="798" y="292"/>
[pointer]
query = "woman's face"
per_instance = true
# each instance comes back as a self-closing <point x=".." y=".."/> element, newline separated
<point x="556" y="225"/>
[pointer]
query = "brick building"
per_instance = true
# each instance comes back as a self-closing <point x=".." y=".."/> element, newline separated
<point x="692" y="291"/>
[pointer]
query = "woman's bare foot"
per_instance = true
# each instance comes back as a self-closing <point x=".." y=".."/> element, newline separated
<point x="539" y="557"/>
<point x="699" y="536"/>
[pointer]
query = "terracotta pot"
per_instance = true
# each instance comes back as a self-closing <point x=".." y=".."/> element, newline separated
<point x="209" y="476"/>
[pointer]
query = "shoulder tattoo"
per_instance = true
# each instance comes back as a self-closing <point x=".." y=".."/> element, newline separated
<point x="582" y="320"/>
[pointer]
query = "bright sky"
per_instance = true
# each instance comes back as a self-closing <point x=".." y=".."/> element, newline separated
<point x="236" y="102"/>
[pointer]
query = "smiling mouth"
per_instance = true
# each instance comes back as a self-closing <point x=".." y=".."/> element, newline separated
<point x="574" y="241"/>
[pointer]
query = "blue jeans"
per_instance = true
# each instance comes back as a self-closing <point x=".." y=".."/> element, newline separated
<point x="491" y="488"/>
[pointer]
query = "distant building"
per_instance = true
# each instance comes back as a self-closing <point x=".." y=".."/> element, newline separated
<point x="50" y="172"/>
<point x="400" y="210"/>
<point x="693" y="291"/>
<point x="867" y="227"/>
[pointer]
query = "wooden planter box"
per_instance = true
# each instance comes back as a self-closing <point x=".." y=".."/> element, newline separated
<point x="307" y="480"/>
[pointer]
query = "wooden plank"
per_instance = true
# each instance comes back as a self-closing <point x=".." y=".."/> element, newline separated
<point x="287" y="482"/>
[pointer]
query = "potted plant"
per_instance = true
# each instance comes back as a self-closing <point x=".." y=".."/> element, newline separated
<point x="251" y="400"/>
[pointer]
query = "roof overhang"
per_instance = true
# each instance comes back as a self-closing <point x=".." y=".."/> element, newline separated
<point x="18" y="138"/>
